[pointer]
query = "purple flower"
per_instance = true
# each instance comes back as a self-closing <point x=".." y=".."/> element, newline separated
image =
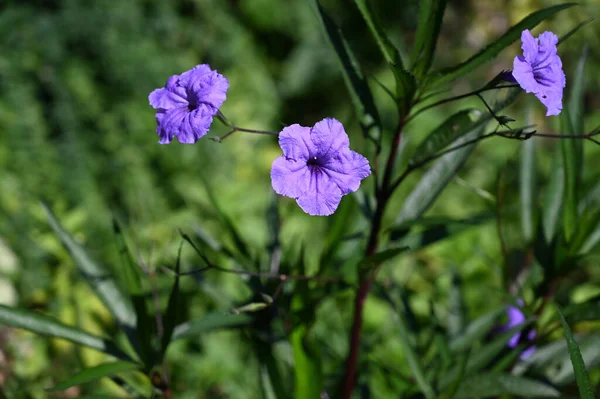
<point x="539" y="70"/>
<point x="186" y="105"/>
<point x="515" y="318"/>
<point x="317" y="167"/>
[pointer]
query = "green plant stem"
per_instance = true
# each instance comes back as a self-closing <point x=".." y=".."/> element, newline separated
<point x="460" y="97"/>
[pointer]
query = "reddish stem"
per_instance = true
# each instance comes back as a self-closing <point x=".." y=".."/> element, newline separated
<point x="383" y="194"/>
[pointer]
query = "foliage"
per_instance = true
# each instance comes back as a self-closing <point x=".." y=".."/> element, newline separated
<point x="174" y="271"/>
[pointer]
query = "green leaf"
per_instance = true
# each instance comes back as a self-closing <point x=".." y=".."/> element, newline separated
<point x="408" y="350"/>
<point x="554" y="195"/>
<point x="388" y="50"/>
<point x="433" y="182"/>
<point x="490" y="384"/>
<point x="493" y="49"/>
<point x="307" y="365"/>
<point x="211" y="322"/>
<point x="527" y="184"/>
<point x="406" y="84"/>
<point x="359" y="90"/>
<point x="456" y="311"/>
<point x="376" y="259"/>
<point x="581" y="375"/>
<point x="96" y="275"/>
<point x="570" y="154"/>
<point x="170" y="315"/>
<point x="442" y="136"/>
<point x="225" y="221"/>
<point x="95" y="373"/>
<point x="431" y="13"/>
<point x="145" y="326"/>
<point x="577" y="85"/>
<point x="476" y="330"/>
<point x="50" y="327"/>
<point x="434" y="229"/>
<point x="270" y="375"/>
<point x="573" y="31"/>
<point x="482" y="356"/>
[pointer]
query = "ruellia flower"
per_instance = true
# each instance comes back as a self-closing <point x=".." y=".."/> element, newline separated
<point x="186" y="105"/>
<point x="317" y="166"/>
<point x="539" y="70"/>
<point x="515" y="318"/>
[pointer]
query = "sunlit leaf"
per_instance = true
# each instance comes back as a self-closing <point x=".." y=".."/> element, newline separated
<point x="50" y="327"/>
<point x="97" y="276"/>
<point x="95" y="373"/>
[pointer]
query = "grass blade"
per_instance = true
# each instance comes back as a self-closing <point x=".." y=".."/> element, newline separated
<point x="527" y="184"/>
<point x="361" y="96"/>
<point x="570" y="159"/>
<point x="95" y="373"/>
<point x="581" y="375"/>
<point x="50" y="327"/>
<point x="554" y="196"/>
<point x="96" y="275"/>
<point x="431" y="13"/>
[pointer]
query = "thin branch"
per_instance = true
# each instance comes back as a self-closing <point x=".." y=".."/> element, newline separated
<point x="510" y="134"/>
<point x="235" y="128"/>
<point x="270" y="276"/>
<point x="459" y="97"/>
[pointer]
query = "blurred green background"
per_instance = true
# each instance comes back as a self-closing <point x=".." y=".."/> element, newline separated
<point x="76" y="131"/>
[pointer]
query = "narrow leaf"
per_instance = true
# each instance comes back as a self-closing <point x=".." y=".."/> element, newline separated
<point x="570" y="154"/>
<point x="482" y="356"/>
<point x="493" y="49"/>
<point x="307" y="367"/>
<point x="456" y="313"/>
<point x="433" y="182"/>
<point x="409" y="351"/>
<point x="359" y="90"/>
<point x="388" y="50"/>
<point x="380" y="257"/>
<point x="431" y="13"/>
<point x="431" y="230"/>
<point x="405" y="81"/>
<point x="491" y="385"/>
<point x="554" y="195"/>
<point x="476" y="330"/>
<point x="527" y="184"/>
<point x="210" y="322"/>
<point x="170" y="315"/>
<point x="50" y="327"/>
<point x="95" y="373"/>
<point x="573" y="31"/>
<point x="97" y="276"/>
<point x="450" y="130"/>
<point x="581" y="375"/>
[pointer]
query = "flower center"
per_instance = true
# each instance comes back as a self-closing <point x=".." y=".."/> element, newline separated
<point x="313" y="162"/>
